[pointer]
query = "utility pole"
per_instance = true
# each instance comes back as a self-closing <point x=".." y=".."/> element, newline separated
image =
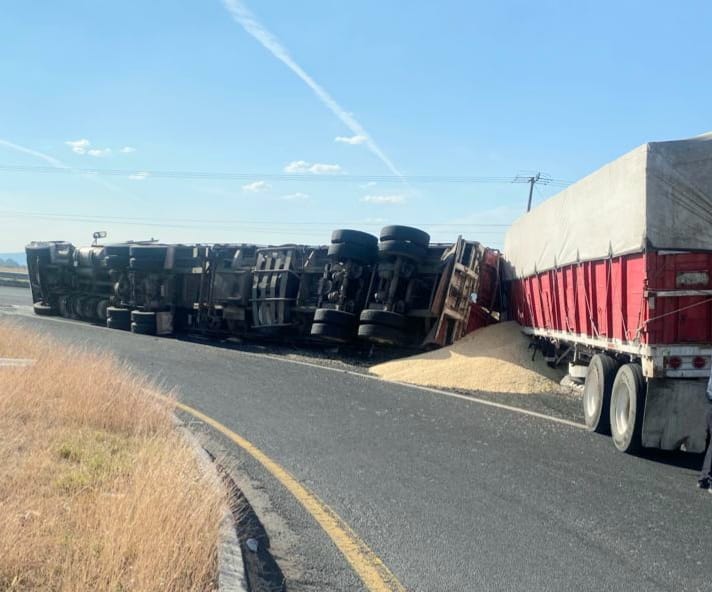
<point x="533" y="179"/>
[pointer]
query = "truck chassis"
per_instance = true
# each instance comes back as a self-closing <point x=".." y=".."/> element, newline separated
<point x="361" y="288"/>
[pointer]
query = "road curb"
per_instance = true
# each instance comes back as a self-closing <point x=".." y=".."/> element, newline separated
<point x="231" y="568"/>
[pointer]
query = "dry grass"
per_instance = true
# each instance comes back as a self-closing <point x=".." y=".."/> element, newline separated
<point x="98" y="491"/>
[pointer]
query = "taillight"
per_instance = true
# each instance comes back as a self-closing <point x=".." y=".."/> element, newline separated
<point x="699" y="362"/>
<point x="674" y="362"/>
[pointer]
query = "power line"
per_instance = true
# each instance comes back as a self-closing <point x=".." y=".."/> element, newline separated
<point x="234" y="176"/>
<point x="341" y="224"/>
<point x="243" y="225"/>
<point x="539" y="177"/>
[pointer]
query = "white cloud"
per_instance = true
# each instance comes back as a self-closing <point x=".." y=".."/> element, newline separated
<point x="256" y="186"/>
<point x="79" y="146"/>
<point x="397" y="199"/>
<point x="367" y="185"/>
<point x="99" y="152"/>
<point x="297" y="166"/>
<point x="298" y="196"/>
<point x="317" y="168"/>
<point x="127" y="149"/>
<point x="353" y="140"/>
<point x="244" y="17"/>
<point x="82" y="147"/>
<point x="139" y="176"/>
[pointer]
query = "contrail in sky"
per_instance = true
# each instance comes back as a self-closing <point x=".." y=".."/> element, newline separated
<point x="244" y="17"/>
<point x="53" y="161"/>
<point x="58" y="164"/>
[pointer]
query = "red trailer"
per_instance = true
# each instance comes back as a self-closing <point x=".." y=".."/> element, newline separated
<point x="614" y="275"/>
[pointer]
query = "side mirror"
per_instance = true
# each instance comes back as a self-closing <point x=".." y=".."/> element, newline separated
<point x="98" y="235"/>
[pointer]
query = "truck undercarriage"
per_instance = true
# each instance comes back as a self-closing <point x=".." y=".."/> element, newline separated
<point x="396" y="289"/>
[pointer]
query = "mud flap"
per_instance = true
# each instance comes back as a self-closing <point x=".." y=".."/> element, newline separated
<point x="675" y="411"/>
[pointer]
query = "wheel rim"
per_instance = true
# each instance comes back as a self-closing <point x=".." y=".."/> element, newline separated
<point x="591" y="401"/>
<point x="592" y="398"/>
<point x="622" y="411"/>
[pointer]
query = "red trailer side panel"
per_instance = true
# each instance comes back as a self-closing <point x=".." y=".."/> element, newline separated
<point x="630" y="299"/>
<point x="602" y="299"/>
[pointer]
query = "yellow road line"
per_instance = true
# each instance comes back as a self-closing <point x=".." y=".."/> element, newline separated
<point x="372" y="571"/>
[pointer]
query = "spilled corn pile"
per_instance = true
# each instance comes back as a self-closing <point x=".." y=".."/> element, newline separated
<point x="495" y="359"/>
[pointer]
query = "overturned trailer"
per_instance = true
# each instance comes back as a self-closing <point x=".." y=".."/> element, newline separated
<point x="396" y="289"/>
<point x="614" y="276"/>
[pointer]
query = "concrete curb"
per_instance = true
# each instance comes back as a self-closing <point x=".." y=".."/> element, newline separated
<point x="231" y="569"/>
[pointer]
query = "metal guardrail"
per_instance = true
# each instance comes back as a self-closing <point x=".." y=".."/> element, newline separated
<point x="14" y="278"/>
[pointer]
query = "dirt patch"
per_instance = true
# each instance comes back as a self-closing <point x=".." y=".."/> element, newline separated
<point x="495" y="359"/>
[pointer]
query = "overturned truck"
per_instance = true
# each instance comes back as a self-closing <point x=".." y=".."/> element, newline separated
<point x="398" y="289"/>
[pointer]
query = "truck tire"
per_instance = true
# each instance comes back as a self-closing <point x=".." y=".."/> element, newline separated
<point x="597" y="393"/>
<point x="102" y="307"/>
<point x="89" y="309"/>
<point x="116" y="324"/>
<point x="44" y="310"/>
<point x="64" y="306"/>
<point x="405" y="233"/>
<point x="382" y="334"/>
<point x="627" y="407"/>
<point x="145" y="321"/>
<point x="115" y="312"/>
<point x="399" y="248"/>
<point x="354" y="236"/>
<point x="384" y="318"/>
<point x="145" y="264"/>
<point x="360" y="253"/>
<point x="332" y="332"/>
<point x="143" y="318"/>
<point x="76" y="304"/>
<point x="118" y="318"/>
<point x="143" y="329"/>
<point x="339" y="318"/>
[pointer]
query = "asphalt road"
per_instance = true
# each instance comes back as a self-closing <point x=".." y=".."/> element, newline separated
<point x="450" y="494"/>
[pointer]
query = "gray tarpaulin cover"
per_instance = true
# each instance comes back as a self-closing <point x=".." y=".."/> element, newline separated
<point x="658" y="195"/>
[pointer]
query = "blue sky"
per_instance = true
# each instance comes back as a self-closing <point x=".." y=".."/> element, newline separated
<point x="452" y="88"/>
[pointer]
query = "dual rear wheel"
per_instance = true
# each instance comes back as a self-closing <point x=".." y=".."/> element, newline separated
<point x="353" y="244"/>
<point x="334" y="325"/>
<point x="614" y="401"/>
<point x="135" y="321"/>
<point x="382" y="326"/>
